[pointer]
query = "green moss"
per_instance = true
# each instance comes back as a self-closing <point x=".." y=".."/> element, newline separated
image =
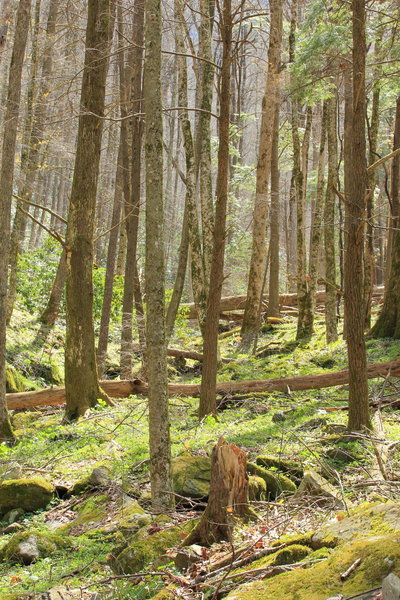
<point x="257" y="488"/>
<point x="143" y="548"/>
<point x="191" y="475"/>
<point x="321" y="553"/>
<point x="276" y="482"/>
<point x="379" y="557"/>
<point x="167" y="593"/>
<point x="15" y="382"/>
<point x="25" y="419"/>
<point x="304" y="539"/>
<point x="291" y="467"/>
<point x="29" y="494"/>
<point x="47" y="543"/>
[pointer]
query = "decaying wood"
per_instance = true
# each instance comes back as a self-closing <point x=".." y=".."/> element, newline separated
<point x="228" y="498"/>
<point x="123" y="389"/>
<point x="229" y="303"/>
<point x="175" y="352"/>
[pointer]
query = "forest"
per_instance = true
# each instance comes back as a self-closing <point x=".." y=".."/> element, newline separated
<point x="199" y="299"/>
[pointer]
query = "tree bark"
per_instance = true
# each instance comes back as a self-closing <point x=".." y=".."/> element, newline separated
<point x="388" y="322"/>
<point x="353" y="299"/>
<point x="156" y="358"/>
<point x="49" y="315"/>
<point x="329" y="224"/>
<point x="81" y="381"/>
<point x="259" y="254"/>
<point x="273" y="292"/>
<point x="228" y="499"/>
<point x="6" y="190"/>
<point x="210" y="345"/>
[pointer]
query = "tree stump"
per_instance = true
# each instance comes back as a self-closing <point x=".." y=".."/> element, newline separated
<point x="228" y="499"/>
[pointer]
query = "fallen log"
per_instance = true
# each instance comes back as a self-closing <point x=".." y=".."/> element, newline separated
<point x="176" y="353"/>
<point x="229" y="303"/>
<point x="124" y="388"/>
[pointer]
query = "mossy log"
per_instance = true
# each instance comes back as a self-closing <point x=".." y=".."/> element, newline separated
<point x="229" y="303"/>
<point x="124" y="388"/>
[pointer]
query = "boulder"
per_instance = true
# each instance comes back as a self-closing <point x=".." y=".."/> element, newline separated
<point x="391" y="587"/>
<point x="319" y="488"/>
<point x="27" y="547"/>
<point x="276" y="482"/>
<point x="13" y="515"/>
<point x="144" y="547"/>
<point x="28" y="494"/>
<point x="99" y="477"/>
<point x="191" y="475"/>
<point x="257" y="488"/>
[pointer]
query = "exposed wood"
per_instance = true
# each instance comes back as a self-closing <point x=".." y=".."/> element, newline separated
<point x="123" y="389"/>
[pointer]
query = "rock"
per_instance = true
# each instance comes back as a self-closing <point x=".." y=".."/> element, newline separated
<point x="291" y="468"/>
<point x="315" y="423"/>
<point x="340" y="455"/>
<point x="257" y="488"/>
<point x="13" y="515"/>
<point x="143" y="548"/>
<point x="12" y="470"/>
<point x="364" y="521"/>
<point x="318" y="487"/>
<point x="13" y="528"/>
<point x="98" y="477"/>
<point x="276" y="482"/>
<point x="15" y="382"/>
<point x="187" y="556"/>
<point x="191" y="475"/>
<point x="28" y="494"/>
<point x="278" y="418"/>
<point x="391" y="587"/>
<point x="27" y="547"/>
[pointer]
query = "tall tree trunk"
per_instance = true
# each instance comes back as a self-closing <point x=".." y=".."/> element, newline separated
<point x="6" y="189"/>
<point x="388" y="322"/>
<point x="110" y="265"/>
<point x="49" y="315"/>
<point x="132" y="293"/>
<point x="353" y="299"/>
<point x="258" y="256"/>
<point x="315" y="237"/>
<point x="156" y="357"/>
<point x="173" y="305"/>
<point x="210" y="346"/>
<point x="273" y="297"/>
<point x="81" y="381"/>
<point x="329" y="223"/>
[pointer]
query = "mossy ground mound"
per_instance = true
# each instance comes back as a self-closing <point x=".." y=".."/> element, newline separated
<point x="379" y="556"/>
<point x="29" y="494"/>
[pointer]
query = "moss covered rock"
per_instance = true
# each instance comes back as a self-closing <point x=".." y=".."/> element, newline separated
<point x="292" y="468"/>
<point x="276" y="482"/>
<point x="191" y="475"/>
<point x="15" y="382"/>
<point x="27" y="547"/>
<point x="29" y="494"/>
<point x="379" y="556"/>
<point x="257" y="488"/>
<point x="25" y="419"/>
<point x="97" y="478"/>
<point x="143" y="548"/>
<point x="167" y="593"/>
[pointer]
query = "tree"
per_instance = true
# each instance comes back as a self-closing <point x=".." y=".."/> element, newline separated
<point x="156" y="356"/>
<point x="81" y="381"/>
<point x="210" y="345"/>
<point x="388" y="322"/>
<point x="355" y="210"/>
<point x="258" y="260"/>
<point x="6" y="189"/>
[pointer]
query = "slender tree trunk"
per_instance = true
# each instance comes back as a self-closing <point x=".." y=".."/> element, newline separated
<point x="132" y="293"/>
<point x="388" y="323"/>
<point x="210" y="346"/>
<point x="353" y="299"/>
<point x="329" y="224"/>
<point x="81" y="381"/>
<point x="110" y="265"/>
<point x="173" y="305"/>
<point x="316" y="230"/>
<point x="291" y="237"/>
<point x="273" y="297"/>
<point x="6" y="189"/>
<point x="52" y="309"/>
<point x="258" y="256"/>
<point x="156" y="357"/>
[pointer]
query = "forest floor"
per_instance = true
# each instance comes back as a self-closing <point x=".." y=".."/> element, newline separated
<point x="276" y="424"/>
